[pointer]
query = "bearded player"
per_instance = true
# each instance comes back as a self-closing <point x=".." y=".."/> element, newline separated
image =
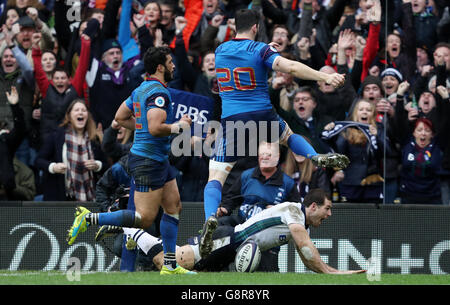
<point x="146" y="112"/>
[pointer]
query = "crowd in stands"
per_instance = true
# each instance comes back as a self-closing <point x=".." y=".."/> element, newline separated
<point x="66" y="66"/>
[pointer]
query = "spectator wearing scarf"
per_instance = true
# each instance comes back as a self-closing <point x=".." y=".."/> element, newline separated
<point x="71" y="158"/>
<point x="362" y="179"/>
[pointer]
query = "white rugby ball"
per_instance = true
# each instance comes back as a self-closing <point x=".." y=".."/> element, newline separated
<point x="248" y="256"/>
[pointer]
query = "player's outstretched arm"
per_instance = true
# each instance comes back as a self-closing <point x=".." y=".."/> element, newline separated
<point x="309" y="253"/>
<point x="124" y="116"/>
<point x="302" y="71"/>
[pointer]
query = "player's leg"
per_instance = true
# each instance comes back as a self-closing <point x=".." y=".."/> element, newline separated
<point x="218" y="173"/>
<point x="153" y="248"/>
<point x="220" y="165"/>
<point x="300" y="146"/>
<point x="146" y="174"/>
<point x="185" y="257"/>
<point x="85" y="218"/>
<point x="148" y="194"/>
<point x="169" y="222"/>
<point x="294" y="141"/>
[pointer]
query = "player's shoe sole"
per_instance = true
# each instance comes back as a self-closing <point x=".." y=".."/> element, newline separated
<point x="107" y="231"/>
<point x="177" y="270"/>
<point x="79" y="224"/>
<point x="206" y="241"/>
<point x="331" y="160"/>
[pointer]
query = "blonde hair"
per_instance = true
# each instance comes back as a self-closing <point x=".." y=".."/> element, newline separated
<point x="354" y="135"/>
<point x="305" y="168"/>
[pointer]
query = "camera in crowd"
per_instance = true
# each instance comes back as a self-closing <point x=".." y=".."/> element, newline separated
<point x="121" y="199"/>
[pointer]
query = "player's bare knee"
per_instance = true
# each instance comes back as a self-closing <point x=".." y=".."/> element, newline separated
<point x="173" y="208"/>
<point x="146" y="220"/>
<point x="146" y="223"/>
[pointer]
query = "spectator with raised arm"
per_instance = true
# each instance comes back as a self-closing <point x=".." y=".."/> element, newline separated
<point x="324" y="20"/>
<point x="60" y="91"/>
<point x="201" y="82"/>
<point x="422" y="142"/>
<point x="336" y="102"/>
<point x="400" y="48"/>
<point x="16" y="179"/>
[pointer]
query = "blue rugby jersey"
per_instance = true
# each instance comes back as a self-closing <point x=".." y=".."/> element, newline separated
<point x="242" y="67"/>
<point x="150" y="94"/>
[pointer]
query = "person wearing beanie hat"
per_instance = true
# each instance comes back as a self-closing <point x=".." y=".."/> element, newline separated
<point x="110" y="81"/>
<point x="26" y="22"/>
<point x="372" y="89"/>
<point x="109" y="44"/>
<point x="392" y="72"/>
<point x="112" y="54"/>
<point x="390" y="79"/>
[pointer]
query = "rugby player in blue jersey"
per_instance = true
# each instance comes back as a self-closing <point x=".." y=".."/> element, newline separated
<point x="242" y="67"/>
<point x="146" y="112"/>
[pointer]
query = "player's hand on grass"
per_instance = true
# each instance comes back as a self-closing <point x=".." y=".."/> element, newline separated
<point x="349" y="271"/>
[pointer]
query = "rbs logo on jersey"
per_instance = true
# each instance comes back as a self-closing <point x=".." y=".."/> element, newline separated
<point x="199" y="117"/>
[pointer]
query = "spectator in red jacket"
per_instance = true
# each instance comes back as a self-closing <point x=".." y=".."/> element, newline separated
<point x="59" y="91"/>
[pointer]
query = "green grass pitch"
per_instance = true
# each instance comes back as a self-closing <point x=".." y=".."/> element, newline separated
<point x="212" y="278"/>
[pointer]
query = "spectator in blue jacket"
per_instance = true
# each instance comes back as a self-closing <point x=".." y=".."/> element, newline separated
<point x="362" y="179"/>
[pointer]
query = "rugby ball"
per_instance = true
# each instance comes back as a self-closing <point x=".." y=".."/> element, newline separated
<point x="248" y="256"/>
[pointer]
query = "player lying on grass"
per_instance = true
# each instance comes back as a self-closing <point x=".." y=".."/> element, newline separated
<point x="270" y="228"/>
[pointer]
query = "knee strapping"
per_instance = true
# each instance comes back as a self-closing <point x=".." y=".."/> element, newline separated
<point x="137" y="220"/>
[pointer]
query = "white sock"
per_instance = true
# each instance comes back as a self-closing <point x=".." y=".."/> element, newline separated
<point x="144" y="240"/>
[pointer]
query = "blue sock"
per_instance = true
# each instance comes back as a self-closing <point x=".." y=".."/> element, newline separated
<point x="212" y="197"/>
<point x="300" y="146"/>
<point x="121" y="218"/>
<point x="169" y="229"/>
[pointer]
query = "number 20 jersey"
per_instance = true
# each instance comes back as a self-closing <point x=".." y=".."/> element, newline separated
<point x="242" y="67"/>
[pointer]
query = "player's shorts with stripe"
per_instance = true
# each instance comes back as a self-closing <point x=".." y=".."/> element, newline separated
<point x="223" y="255"/>
<point x="148" y="173"/>
<point x="241" y="134"/>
